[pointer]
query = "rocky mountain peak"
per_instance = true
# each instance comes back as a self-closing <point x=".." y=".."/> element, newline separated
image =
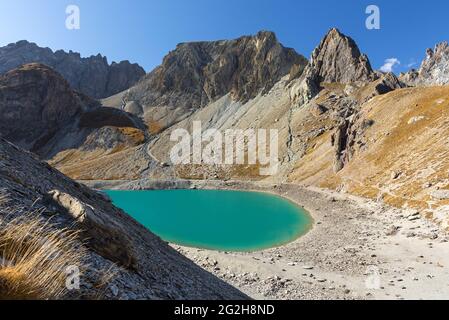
<point x="197" y="73"/>
<point x="266" y="34"/>
<point x="92" y="76"/>
<point x="267" y="38"/>
<point x="338" y="59"/>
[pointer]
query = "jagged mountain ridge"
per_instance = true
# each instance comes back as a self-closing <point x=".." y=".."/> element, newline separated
<point x="337" y="59"/>
<point x="202" y="72"/>
<point x="93" y="76"/>
<point x="434" y="69"/>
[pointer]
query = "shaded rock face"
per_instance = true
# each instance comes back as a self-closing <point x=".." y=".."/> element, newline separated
<point x="108" y="117"/>
<point x="122" y="75"/>
<point x="123" y="260"/>
<point x="92" y="76"/>
<point x="348" y="135"/>
<point x="41" y="113"/>
<point x="36" y="102"/>
<point x="434" y="69"/>
<point x="198" y="73"/>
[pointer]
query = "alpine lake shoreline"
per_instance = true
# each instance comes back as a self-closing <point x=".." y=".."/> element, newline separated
<point x="356" y="248"/>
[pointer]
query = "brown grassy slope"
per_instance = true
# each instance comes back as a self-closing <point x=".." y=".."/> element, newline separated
<point x="101" y="163"/>
<point x="406" y="152"/>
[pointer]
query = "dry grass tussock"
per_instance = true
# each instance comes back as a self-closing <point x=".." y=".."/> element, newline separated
<point x="35" y="256"/>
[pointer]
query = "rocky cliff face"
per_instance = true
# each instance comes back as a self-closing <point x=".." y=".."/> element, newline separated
<point x="434" y="69"/>
<point x="117" y="257"/>
<point x="197" y="73"/>
<point x="40" y="112"/>
<point x="92" y="76"/>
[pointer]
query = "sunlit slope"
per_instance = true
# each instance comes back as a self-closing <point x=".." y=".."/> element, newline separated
<point x="404" y="155"/>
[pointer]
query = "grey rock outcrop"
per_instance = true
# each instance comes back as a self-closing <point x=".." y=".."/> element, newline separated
<point x="440" y="194"/>
<point x="434" y="69"/>
<point x="386" y="82"/>
<point x="92" y="76"/>
<point x="197" y="73"/>
<point x="410" y="78"/>
<point x="103" y="233"/>
<point x="337" y="59"/>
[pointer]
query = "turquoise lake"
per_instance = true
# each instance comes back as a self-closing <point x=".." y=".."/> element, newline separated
<point x="216" y="219"/>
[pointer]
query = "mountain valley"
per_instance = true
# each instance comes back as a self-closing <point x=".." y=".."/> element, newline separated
<point x="364" y="151"/>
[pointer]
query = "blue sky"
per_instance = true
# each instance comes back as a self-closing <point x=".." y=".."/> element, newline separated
<point x="144" y="31"/>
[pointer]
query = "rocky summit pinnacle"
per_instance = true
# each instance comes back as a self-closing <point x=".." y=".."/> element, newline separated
<point x="197" y="73"/>
<point x="93" y="76"/>
<point x="338" y="59"/>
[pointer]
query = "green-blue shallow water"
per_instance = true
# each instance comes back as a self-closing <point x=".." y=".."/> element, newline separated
<point x="216" y="219"/>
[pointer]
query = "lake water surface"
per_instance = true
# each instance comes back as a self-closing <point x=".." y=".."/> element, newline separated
<point x="216" y="219"/>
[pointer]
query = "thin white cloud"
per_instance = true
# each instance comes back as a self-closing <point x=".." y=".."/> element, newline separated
<point x="390" y="64"/>
<point x="412" y="64"/>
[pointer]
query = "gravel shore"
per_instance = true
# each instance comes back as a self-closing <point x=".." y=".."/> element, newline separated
<point x="357" y="249"/>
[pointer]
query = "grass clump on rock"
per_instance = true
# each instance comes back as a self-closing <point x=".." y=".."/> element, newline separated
<point x="35" y="257"/>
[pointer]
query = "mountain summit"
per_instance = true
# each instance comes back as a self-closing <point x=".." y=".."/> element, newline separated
<point x="197" y="73"/>
<point x="338" y="59"/>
